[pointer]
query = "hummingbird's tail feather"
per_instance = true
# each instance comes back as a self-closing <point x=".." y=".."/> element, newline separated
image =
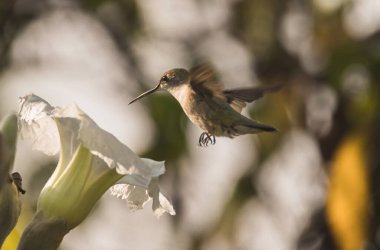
<point x="253" y="128"/>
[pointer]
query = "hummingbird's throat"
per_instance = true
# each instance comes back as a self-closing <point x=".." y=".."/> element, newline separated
<point x="181" y="92"/>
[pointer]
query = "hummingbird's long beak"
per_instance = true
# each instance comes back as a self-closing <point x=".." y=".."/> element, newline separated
<point x="145" y="93"/>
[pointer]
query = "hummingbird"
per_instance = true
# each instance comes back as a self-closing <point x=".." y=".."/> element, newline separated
<point x="207" y="105"/>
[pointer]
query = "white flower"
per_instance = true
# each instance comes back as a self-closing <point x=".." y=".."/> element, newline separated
<point x="91" y="161"/>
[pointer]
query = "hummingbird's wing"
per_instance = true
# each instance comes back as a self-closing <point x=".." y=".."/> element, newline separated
<point x="238" y="98"/>
<point x="204" y="82"/>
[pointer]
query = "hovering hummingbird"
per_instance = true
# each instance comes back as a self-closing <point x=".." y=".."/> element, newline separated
<point x="207" y="105"/>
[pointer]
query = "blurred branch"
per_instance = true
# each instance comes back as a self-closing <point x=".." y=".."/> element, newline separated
<point x="7" y="7"/>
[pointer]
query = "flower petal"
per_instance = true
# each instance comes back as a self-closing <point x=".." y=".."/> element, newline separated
<point x="160" y="202"/>
<point x="137" y="197"/>
<point x="155" y="168"/>
<point x="107" y="147"/>
<point x="36" y="124"/>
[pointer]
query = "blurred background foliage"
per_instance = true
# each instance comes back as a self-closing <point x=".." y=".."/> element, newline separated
<point x="312" y="185"/>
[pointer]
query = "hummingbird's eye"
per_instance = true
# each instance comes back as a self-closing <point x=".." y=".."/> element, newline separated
<point x="164" y="78"/>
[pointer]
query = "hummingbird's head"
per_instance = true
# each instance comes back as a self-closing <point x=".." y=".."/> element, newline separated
<point x="171" y="79"/>
<point x="174" y="78"/>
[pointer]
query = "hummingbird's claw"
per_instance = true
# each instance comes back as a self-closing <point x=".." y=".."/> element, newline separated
<point x="205" y="139"/>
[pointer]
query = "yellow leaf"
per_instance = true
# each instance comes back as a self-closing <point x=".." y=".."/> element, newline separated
<point x="348" y="195"/>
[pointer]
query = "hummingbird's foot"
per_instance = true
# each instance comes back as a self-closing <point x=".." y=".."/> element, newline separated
<point x="205" y="139"/>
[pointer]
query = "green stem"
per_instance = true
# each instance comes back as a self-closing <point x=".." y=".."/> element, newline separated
<point x="43" y="233"/>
